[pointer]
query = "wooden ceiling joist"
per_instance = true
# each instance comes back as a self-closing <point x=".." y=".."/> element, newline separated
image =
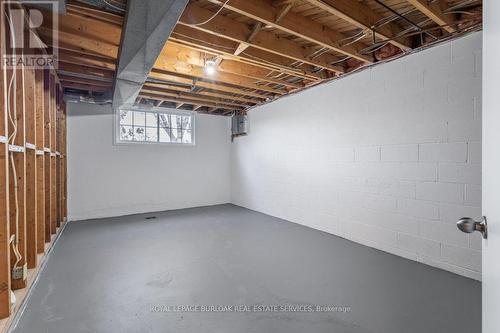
<point x="85" y="70"/>
<point x="76" y="58"/>
<point x="80" y="43"/>
<point x="85" y="87"/>
<point x="203" y="41"/>
<point x="77" y="8"/>
<point x="295" y="24"/>
<point x="165" y="76"/>
<point x="203" y="92"/>
<point x="191" y="96"/>
<point x="218" y="76"/>
<point x="86" y="81"/>
<point x="188" y="101"/>
<point x="360" y="15"/>
<point x="434" y="11"/>
<point x="177" y="52"/>
<point x="267" y="41"/>
<point x="261" y="49"/>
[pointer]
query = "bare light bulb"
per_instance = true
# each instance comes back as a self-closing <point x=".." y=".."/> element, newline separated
<point x="210" y="67"/>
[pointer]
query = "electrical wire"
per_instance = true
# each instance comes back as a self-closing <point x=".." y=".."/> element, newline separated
<point x="14" y="239"/>
<point x="201" y="41"/>
<point x="211" y="18"/>
<point x="113" y="6"/>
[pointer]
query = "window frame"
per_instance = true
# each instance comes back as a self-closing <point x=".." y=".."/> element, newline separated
<point x="156" y="110"/>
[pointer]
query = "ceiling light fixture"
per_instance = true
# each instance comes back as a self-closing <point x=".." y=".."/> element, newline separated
<point x="210" y="66"/>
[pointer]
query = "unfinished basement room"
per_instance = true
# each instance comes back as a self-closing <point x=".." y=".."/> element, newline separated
<point x="250" y="166"/>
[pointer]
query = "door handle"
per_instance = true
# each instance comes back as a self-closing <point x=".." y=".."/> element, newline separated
<point x="468" y="225"/>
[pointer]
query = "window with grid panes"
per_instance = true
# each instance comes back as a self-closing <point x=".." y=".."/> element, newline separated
<point x="155" y="126"/>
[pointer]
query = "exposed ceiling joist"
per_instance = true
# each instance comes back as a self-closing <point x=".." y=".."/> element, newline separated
<point x="267" y="41"/>
<point x="434" y="11"/>
<point x="168" y="77"/>
<point x="82" y="86"/>
<point x="298" y="25"/>
<point x="174" y="52"/>
<point x="201" y="40"/>
<point x="85" y="70"/>
<point x="188" y="101"/>
<point x="249" y="53"/>
<point x="74" y="57"/>
<point x="191" y="96"/>
<point x="197" y="72"/>
<point x="162" y="87"/>
<point x="363" y="17"/>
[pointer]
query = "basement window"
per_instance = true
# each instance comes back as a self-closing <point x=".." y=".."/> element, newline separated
<point x="155" y="126"/>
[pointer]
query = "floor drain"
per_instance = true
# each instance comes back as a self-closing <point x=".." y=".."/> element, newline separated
<point x="150" y="217"/>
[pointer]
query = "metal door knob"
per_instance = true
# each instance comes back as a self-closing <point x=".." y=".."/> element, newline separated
<point x="468" y="225"/>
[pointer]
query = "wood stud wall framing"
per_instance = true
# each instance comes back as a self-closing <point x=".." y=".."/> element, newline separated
<point x="38" y="153"/>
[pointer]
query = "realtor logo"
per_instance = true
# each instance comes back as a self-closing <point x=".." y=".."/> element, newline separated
<point x="23" y="21"/>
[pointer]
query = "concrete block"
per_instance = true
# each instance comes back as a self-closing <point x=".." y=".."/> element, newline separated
<point x="367" y="154"/>
<point x="341" y="154"/>
<point x="460" y="173"/>
<point x="443" y="232"/>
<point x="473" y="195"/>
<point x="419" y="208"/>
<point x="464" y="130"/>
<point x="380" y="202"/>
<point x="474" y="152"/>
<point x="443" y="152"/>
<point x="442" y="192"/>
<point x="399" y="153"/>
<point x="400" y="189"/>
<point x="467" y="258"/>
<point x="416" y="171"/>
<point x="421" y="246"/>
<point x="451" y="213"/>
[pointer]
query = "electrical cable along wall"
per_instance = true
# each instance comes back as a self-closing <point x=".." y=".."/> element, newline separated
<point x="32" y="174"/>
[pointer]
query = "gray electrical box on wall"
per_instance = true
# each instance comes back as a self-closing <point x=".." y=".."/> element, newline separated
<point x="239" y="125"/>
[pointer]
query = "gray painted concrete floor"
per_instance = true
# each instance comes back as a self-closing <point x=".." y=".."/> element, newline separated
<point x="105" y="276"/>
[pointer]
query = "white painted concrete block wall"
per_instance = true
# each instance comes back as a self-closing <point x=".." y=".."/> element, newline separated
<point x="389" y="157"/>
<point x="111" y="180"/>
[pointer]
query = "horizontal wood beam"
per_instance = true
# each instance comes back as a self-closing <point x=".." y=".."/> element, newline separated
<point x="168" y="77"/>
<point x="180" y="67"/>
<point x="85" y="70"/>
<point x="202" y="92"/>
<point x="84" y="87"/>
<point x="85" y="10"/>
<point x="434" y="11"/>
<point x="202" y="41"/>
<point x="76" y="58"/>
<point x="267" y="41"/>
<point x="190" y="96"/>
<point x="363" y="17"/>
<point x="90" y="82"/>
<point x="295" y="24"/>
<point x="173" y="52"/>
<point x="79" y="43"/>
<point x="187" y="101"/>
